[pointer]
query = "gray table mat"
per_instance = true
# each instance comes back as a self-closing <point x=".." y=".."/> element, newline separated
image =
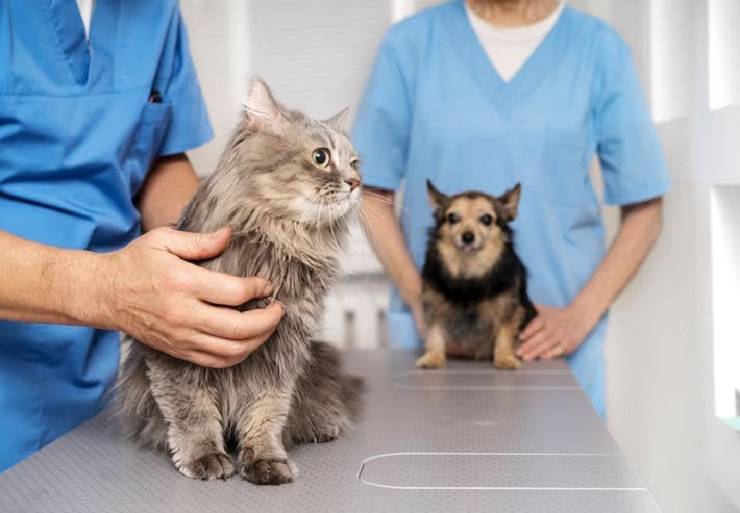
<point x="467" y="438"/>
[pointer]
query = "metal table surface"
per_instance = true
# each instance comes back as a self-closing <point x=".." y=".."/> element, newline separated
<point x="467" y="438"/>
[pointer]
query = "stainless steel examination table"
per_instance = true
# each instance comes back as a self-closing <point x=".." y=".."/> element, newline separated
<point x="467" y="438"/>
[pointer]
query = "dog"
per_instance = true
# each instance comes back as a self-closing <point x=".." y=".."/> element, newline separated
<point x="474" y="286"/>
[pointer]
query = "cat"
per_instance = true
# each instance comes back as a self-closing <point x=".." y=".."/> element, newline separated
<point x="286" y="184"/>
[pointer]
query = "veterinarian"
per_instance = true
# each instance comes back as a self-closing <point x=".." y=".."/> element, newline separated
<point x="93" y="130"/>
<point x="482" y="94"/>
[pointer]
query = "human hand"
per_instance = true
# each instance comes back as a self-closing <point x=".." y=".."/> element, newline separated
<point x="153" y="294"/>
<point x="553" y="333"/>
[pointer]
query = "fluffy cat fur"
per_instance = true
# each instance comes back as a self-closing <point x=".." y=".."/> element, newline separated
<point x="289" y="217"/>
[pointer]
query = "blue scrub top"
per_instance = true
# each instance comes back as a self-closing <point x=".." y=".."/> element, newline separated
<point x="435" y="108"/>
<point x="77" y="137"/>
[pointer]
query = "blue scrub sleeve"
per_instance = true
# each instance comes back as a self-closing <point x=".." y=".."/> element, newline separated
<point x="381" y="128"/>
<point x="632" y="161"/>
<point x="178" y="83"/>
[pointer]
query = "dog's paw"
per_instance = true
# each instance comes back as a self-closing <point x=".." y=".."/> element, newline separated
<point x="507" y="362"/>
<point x="210" y="466"/>
<point x="431" y="361"/>
<point x="268" y="471"/>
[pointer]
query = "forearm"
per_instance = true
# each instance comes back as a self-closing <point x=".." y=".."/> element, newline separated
<point x="639" y="229"/>
<point x="40" y="283"/>
<point x="386" y="237"/>
<point x="168" y="188"/>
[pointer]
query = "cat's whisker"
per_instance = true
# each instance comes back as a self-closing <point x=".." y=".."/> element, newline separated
<point x="380" y="197"/>
<point x="366" y="221"/>
<point x="364" y="225"/>
<point x="396" y="209"/>
<point x="368" y="192"/>
<point x="388" y="203"/>
<point x="318" y="220"/>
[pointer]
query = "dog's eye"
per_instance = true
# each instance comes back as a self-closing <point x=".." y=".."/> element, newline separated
<point x="486" y="219"/>
<point x="321" y="157"/>
<point x="453" y="218"/>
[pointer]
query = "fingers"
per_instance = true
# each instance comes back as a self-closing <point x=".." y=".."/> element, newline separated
<point x="223" y="289"/>
<point x="219" y="353"/>
<point x="533" y="327"/>
<point x="533" y="347"/>
<point x="192" y="246"/>
<point x="555" y="352"/>
<point x="223" y="337"/>
<point x="230" y="324"/>
<point x="210" y="286"/>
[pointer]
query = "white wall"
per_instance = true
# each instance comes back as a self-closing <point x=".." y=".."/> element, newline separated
<point x="661" y="352"/>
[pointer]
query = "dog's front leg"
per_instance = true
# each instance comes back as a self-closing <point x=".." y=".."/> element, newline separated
<point x="434" y="349"/>
<point x="504" y="341"/>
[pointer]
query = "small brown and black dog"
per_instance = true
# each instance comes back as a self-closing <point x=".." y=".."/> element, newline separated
<point x="474" y="292"/>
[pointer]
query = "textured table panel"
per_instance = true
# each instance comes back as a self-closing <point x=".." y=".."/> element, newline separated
<point x="92" y="469"/>
<point x="499" y="471"/>
<point x="472" y="379"/>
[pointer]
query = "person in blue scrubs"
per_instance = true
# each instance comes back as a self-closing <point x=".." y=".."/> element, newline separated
<point x="92" y="140"/>
<point x="436" y="108"/>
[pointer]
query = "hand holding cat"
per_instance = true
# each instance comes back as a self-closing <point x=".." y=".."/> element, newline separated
<point x="553" y="333"/>
<point x="179" y="308"/>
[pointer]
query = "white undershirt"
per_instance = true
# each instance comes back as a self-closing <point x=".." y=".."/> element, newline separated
<point x="509" y="47"/>
<point x="86" y="8"/>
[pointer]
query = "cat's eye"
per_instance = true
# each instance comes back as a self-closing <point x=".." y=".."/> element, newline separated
<point x="355" y="164"/>
<point x="486" y="219"/>
<point x="321" y="157"/>
<point x="453" y="218"/>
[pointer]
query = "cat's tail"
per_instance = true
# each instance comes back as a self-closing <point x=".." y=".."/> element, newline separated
<point x="327" y="400"/>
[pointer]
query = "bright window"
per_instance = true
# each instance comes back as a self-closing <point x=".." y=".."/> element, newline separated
<point x="726" y="301"/>
<point x="724" y="44"/>
<point x="670" y="58"/>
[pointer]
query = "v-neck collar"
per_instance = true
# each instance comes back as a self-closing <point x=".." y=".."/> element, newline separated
<point x="482" y="69"/>
<point x="85" y="57"/>
<point x="71" y="36"/>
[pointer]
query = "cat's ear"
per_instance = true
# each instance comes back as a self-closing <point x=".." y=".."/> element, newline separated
<point x="260" y="107"/>
<point x="436" y="198"/>
<point x="338" y="119"/>
<point x="509" y="202"/>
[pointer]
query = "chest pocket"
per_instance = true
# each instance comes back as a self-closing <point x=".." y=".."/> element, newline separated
<point x="147" y="141"/>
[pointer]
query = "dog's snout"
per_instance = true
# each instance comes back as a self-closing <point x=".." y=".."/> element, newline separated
<point x="468" y="237"/>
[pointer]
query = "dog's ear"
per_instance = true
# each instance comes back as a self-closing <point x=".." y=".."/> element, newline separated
<point x="509" y="203"/>
<point x="436" y="198"/>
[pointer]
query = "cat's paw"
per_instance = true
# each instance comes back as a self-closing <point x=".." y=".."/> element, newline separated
<point x="326" y="434"/>
<point x="507" y="362"/>
<point x="268" y="471"/>
<point x="430" y="360"/>
<point x="210" y="466"/>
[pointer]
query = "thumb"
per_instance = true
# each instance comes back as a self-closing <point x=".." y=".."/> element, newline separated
<point x="197" y="246"/>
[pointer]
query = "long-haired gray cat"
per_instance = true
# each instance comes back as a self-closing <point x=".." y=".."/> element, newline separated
<point x="286" y="185"/>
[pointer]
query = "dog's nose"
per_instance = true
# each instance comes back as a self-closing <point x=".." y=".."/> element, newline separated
<point x="468" y="237"/>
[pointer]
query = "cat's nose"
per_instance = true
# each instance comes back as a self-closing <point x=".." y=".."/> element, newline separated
<point x="353" y="183"/>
